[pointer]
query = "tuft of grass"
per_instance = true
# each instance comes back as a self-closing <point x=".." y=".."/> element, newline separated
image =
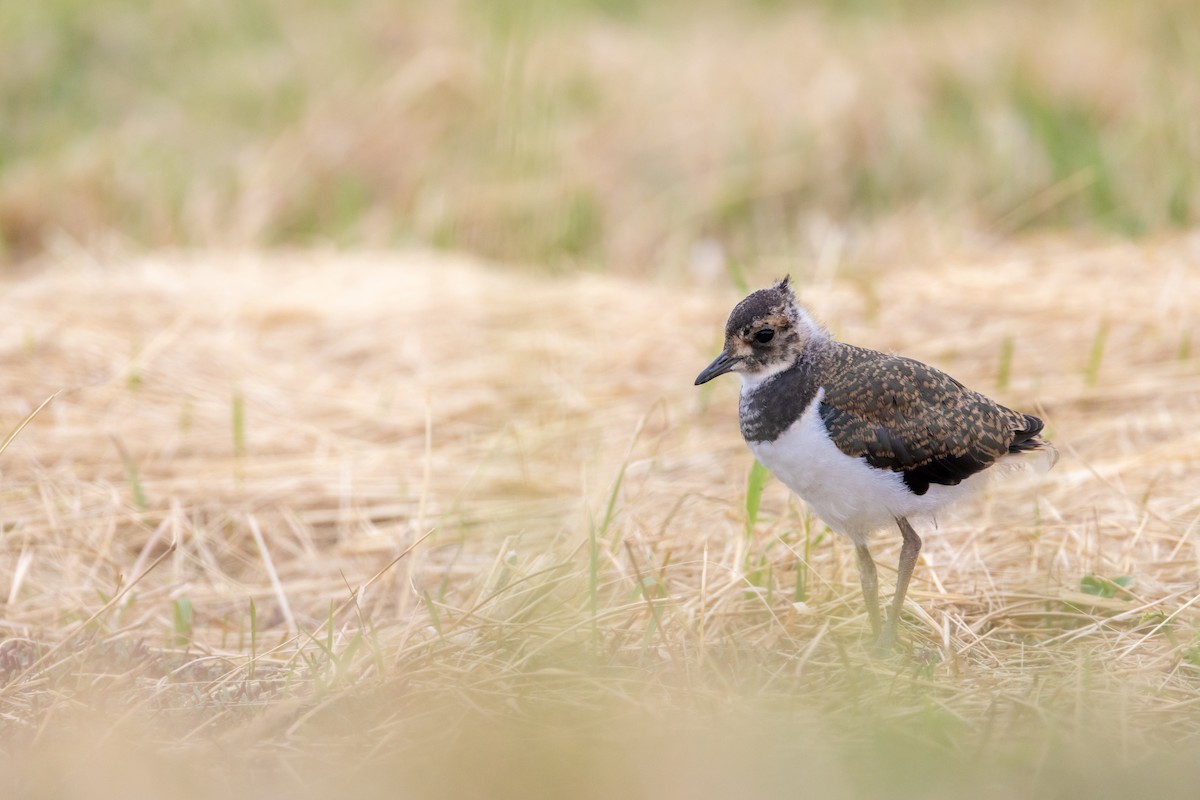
<point x="1192" y="654"/>
<point x="435" y="618"/>
<point x="1004" y="367"/>
<point x="756" y="480"/>
<point x="238" y="431"/>
<point x="1108" y="588"/>
<point x="805" y="558"/>
<point x="183" y="623"/>
<point x="1096" y="354"/>
<point x="758" y="571"/>
<point x="1070" y="136"/>
<point x="131" y="473"/>
<point x="593" y="577"/>
<point x="253" y="619"/>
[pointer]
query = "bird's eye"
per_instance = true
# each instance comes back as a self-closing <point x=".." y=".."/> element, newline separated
<point x="765" y="335"/>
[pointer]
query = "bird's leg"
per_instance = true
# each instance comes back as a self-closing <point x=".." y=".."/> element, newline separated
<point x="870" y="585"/>
<point x="908" y="559"/>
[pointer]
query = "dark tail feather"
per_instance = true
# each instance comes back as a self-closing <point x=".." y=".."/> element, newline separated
<point x="1029" y="438"/>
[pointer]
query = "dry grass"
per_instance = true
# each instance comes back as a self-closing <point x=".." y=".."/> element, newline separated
<point x="399" y="523"/>
<point x="282" y="433"/>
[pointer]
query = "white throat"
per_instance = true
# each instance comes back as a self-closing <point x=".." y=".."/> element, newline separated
<point x="751" y="381"/>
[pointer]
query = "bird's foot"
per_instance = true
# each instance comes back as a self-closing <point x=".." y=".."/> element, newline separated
<point x="886" y="642"/>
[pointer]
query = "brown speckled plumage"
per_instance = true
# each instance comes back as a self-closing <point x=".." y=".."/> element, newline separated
<point x="903" y="415"/>
<point x="897" y="413"/>
<point x="863" y="436"/>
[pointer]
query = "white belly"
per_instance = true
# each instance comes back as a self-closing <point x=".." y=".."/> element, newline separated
<point x="848" y="495"/>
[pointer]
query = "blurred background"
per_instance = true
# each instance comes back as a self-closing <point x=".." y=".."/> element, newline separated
<point x="629" y="135"/>
<point x="326" y="506"/>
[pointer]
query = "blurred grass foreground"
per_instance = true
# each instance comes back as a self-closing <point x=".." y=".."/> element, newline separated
<point x="337" y="497"/>
<point x="614" y="133"/>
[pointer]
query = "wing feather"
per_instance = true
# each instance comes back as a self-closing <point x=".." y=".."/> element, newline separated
<point x="908" y="417"/>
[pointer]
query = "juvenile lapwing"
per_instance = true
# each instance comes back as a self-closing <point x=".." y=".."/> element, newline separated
<point x="867" y="439"/>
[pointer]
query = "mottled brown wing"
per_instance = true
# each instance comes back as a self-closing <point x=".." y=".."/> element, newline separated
<point x="908" y="417"/>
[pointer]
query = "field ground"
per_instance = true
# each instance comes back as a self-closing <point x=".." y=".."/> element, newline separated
<point x="401" y="524"/>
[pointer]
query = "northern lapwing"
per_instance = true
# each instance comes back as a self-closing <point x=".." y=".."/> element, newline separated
<point x="867" y="439"/>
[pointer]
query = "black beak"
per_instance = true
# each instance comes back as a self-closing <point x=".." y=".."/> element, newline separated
<point x="722" y="364"/>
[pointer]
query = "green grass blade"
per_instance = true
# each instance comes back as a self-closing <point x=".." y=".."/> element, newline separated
<point x="329" y="628"/>
<point x="754" y="489"/>
<point x="1004" y="369"/>
<point x="238" y="425"/>
<point x="131" y="470"/>
<point x="435" y="619"/>
<point x="610" y="510"/>
<point x="253" y="637"/>
<point x="1096" y="356"/>
<point x="183" y="617"/>
<point x="593" y="575"/>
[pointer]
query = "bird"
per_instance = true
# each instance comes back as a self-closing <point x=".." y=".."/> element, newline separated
<point x="868" y="440"/>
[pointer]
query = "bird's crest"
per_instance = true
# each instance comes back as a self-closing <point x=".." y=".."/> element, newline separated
<point x="784" y="287"/>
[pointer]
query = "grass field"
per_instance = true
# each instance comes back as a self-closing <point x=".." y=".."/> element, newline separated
<point x="476" y="534"/>
<point x="372" y="464"/>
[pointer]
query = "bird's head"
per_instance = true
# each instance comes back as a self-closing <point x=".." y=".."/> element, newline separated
<point x="764" y="335"/>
